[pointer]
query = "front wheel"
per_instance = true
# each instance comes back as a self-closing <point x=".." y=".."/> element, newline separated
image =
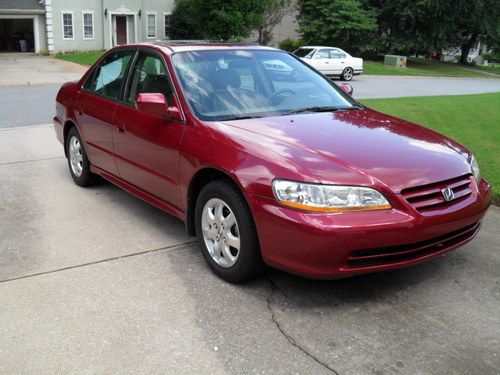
<point x="226" y="233"/>
<point x="347" y="74"/>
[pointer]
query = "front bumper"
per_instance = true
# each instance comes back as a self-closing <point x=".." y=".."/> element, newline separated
<point x="321" y="245"/>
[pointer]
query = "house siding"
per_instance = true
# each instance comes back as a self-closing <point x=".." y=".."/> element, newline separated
<point x="104" y="26"/>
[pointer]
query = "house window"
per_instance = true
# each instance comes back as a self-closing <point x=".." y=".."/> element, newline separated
<point x="151" y="25"/>
<point x="167" y="17"/>
<point x="88" y="25"/>
<point x="68" y="29"/>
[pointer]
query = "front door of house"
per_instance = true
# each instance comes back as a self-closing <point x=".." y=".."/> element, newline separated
<point x="121" y="30"/>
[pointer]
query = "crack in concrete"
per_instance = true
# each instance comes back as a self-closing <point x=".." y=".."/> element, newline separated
<point x="290" y="339"/>
<point x="171" y="247"/>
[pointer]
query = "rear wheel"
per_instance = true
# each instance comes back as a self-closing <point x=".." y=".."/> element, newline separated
<point x="226" y="233"/>
<point x="79" y="165"/>
<point x="347" y="74"/>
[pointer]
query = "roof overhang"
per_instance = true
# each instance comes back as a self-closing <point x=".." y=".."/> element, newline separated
<point x="22" y="11"/>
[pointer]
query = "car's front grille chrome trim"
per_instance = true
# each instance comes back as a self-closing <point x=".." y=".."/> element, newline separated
<point x="430" y="197"/>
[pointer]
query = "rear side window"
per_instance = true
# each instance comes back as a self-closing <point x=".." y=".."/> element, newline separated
<point x="334" y="54"/>
<point x="107" y="78"/>
<point x="149" y="76"/>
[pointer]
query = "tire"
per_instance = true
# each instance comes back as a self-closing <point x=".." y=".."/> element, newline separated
<point x="78" y="162"/>
<point x="229" y="263"/>
<point x="347" y="74"/>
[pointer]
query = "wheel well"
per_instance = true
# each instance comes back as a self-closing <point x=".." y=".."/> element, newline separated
<point x="201" y="178"/>
<point x="67" y="126"/>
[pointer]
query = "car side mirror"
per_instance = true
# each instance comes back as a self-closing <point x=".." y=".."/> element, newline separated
<point x="347" y="88"/>
<point x="156" y="104"/>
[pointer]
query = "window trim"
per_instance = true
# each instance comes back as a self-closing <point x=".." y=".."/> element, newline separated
<point x="133" y="55"/>
<point x="91" y="12"/>
<point x="147" y="24"/>
<point x="63" y="12"/>
<point x="165" y="14"/>
<point x="125" y="88"/>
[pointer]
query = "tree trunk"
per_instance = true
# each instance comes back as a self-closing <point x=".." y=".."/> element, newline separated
<point x="466" y="48"/>
<point x="261" y="35"/>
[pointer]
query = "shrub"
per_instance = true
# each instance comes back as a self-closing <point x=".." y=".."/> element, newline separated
<point x="290" y="45"/>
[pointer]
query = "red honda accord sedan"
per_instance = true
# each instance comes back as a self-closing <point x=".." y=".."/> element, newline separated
<point x="267" y="161"/>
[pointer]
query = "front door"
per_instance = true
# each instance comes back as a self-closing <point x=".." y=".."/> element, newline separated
<point x="121" y="30"/>
<point x="96" y="106"/>
<point x="147" y="147"/>
<point x="321" y="61"/>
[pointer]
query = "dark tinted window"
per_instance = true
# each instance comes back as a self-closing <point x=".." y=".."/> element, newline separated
<point x="107" y="78"/>
<point x="304" y="52"/>
<point x="149" y="76"/>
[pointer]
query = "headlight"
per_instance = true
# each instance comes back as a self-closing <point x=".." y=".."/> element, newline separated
<point x="475" y="169"/>
<point x="328" y="198"/>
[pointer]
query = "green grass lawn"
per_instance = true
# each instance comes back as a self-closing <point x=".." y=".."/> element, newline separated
<point x="473" y="120"/>
<point x="84" y="58"/>
<point x="430" y="68"/>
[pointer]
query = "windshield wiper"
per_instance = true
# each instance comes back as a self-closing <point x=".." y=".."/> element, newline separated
<point x="320" y="109"/>
<point x="239" y="118"/>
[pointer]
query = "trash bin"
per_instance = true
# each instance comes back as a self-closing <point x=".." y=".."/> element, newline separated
<point x="395" y="60"/>
<point x="23" y="45"/>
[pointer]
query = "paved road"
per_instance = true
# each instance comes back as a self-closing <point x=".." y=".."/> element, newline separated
<point x="396" y="86"/>
<point x="95" y="281"/>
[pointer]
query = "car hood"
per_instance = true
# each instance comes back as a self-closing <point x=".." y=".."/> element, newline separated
<point x="356" y="146"/>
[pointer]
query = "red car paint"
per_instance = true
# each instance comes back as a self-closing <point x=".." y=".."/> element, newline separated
<point x="157" y="160"/>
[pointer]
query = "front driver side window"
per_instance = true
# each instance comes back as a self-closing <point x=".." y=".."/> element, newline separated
<point x="107" y="78"/>
<point x="149" y="76"/>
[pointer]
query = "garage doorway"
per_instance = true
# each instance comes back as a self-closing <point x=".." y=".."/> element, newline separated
<point x="17" y="35"/>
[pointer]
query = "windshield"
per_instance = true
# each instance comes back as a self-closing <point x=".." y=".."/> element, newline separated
<point x="237" y="84"/>
<point x="304" y="52"/>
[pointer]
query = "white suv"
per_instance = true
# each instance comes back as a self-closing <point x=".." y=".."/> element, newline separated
<point x="331" y="61"/>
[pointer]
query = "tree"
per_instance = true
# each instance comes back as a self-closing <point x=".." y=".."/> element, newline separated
<point x="475" y="18"/>
<point x="344" y="23"/>
<point x="276" y="10"/>
<point x="412" y="26"/>
<point x="228" y="19"/>
<point x="182" y="21"/>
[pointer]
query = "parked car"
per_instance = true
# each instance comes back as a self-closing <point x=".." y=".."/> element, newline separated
<point x="294" y="174"/>
<point x="331" y="61"/>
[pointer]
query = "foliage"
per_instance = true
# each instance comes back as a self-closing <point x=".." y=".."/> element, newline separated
<point x="226" y="19"/>
<point x="290" y="45"/>
<point x="470" y="119"/>
<point x="347" y="24"/>
<point x="182" y="21"/>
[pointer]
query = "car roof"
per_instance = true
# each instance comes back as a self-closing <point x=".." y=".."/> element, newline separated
<point x="319" y="47"/>
<point x="172" y="46"/>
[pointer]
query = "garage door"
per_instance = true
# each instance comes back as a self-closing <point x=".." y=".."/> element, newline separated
<point x="17" y="34"/>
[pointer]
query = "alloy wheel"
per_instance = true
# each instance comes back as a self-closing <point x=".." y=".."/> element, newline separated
<point x="220" y="232"/>
<point x="75" y="156"/>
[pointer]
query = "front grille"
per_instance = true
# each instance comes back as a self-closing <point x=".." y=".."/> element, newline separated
<point x="429" y="197"/>
<point x="402" y="253"/>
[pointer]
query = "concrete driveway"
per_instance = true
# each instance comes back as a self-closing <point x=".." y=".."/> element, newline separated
<point x="30" y="69"/>
<point x="95" y="281"/>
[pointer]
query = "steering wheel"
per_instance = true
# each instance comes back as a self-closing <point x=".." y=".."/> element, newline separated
<point x="285" y="92"/>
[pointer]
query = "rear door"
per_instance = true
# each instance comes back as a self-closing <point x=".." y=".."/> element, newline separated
<point x="337" y="61"/>
<point x="146" y="145"/>
<point x="96" y="106"/>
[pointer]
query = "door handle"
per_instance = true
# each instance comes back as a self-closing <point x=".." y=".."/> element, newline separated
<point x="327" y="62"/>
<point x="120" y="128"/>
